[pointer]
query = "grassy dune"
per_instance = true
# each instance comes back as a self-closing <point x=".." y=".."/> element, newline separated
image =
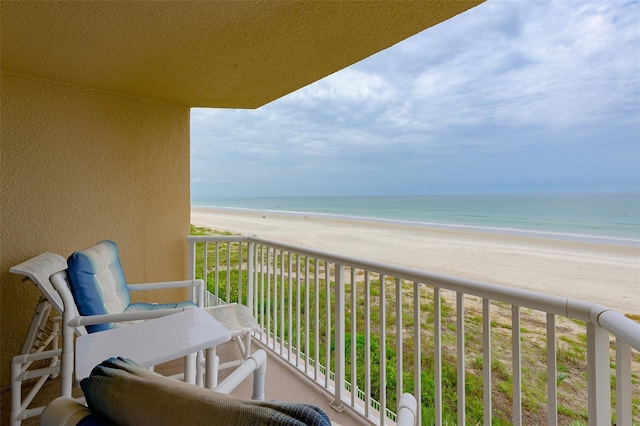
<point x="571" y="348"/>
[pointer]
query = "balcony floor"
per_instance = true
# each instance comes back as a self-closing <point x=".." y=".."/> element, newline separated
<point x="284" y="384"/>
<point x="281" y="384"/>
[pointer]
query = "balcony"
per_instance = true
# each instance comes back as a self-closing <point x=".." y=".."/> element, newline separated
<point x="523" y="357"/>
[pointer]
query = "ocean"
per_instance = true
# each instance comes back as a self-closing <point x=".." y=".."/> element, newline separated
<point x="610" y="218"/>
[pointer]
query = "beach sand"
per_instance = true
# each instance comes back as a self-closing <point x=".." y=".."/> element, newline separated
<point x="608" y="275"/>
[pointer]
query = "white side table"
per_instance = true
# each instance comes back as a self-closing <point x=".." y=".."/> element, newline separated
<point x="155" y="341"/>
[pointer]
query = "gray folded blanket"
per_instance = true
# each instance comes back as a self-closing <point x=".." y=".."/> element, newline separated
<point x="128" y="394"/>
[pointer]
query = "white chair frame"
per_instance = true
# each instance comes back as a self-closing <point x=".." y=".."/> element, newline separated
<point x="41" y="344"/>
<point x="72" y="320"/>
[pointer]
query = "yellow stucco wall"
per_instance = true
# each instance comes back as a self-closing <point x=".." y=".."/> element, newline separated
<point x="80" y="165"/>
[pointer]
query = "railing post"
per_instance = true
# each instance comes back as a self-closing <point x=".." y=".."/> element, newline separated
<point x="437" y="353"/>
<point x="486" y="360"/>
<point x="339" y="338"/>
<point x="228" y="281"/>
<point x="240" y="272"/>
<point x="367" y="344"/>
<point x="192" y="267"/>
<point x="461" y="358"/>
<point x="599" y="381"/>
<point x="623" y="383"/>
<point x="516" y="358"/>
<point x="250" y="273"/>
<point x="192" y="259"/>
<point x="383" y="348"/>
<point x="216" y="281"/>
<point x="417" y="350"/>
<point x="399" y="351"/>
<point x="552" y="369"/>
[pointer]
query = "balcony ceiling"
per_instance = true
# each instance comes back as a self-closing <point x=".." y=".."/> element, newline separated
<point x="229" y="54"/>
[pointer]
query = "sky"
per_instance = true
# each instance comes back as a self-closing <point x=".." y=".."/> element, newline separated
<point x="511" y="96"/>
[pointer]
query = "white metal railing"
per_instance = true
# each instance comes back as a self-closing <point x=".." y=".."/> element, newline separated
<point x="390" y="329"/>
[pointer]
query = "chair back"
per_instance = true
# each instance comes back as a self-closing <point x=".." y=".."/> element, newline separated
<point x="97" y="282"/>
<point x="38" y="270"/>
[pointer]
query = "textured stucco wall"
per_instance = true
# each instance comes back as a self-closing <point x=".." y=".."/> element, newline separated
<point x="78" y="166"/>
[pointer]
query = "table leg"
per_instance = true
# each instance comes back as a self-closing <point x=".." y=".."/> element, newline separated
<point x="190" y="368"/>
<point x="211" y="368"/>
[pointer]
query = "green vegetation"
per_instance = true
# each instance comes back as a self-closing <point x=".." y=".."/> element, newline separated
<point x="291" y="284"/>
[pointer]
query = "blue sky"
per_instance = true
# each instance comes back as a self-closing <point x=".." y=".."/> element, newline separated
<point x="510" y="96"/>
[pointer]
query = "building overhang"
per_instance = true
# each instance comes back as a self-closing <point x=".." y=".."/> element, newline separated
<point x="227" y="54"/>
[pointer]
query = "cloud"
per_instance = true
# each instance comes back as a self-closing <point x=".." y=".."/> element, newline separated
<point x="493" y="95"/>
<point x="348" y="85"/>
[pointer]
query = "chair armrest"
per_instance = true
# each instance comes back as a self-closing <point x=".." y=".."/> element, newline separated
<point x="125" y="316"/>
<point x="63" y="411"/>
<point x="165" y="284"/>
<point x="198" y="286"/>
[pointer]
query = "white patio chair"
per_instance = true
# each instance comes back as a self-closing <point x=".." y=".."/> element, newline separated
<point x="96" y="296"/>
<point x="41" y="342"/>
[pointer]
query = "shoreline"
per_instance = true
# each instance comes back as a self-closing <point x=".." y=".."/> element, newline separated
<point x="562" y="236"/>
<point x="598" y="273"/>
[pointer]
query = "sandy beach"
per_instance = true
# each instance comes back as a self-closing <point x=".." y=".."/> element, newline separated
<point x="605" y="274"/>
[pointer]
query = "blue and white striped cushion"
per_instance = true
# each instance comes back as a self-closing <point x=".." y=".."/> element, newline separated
<point x="97" y="282"/>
